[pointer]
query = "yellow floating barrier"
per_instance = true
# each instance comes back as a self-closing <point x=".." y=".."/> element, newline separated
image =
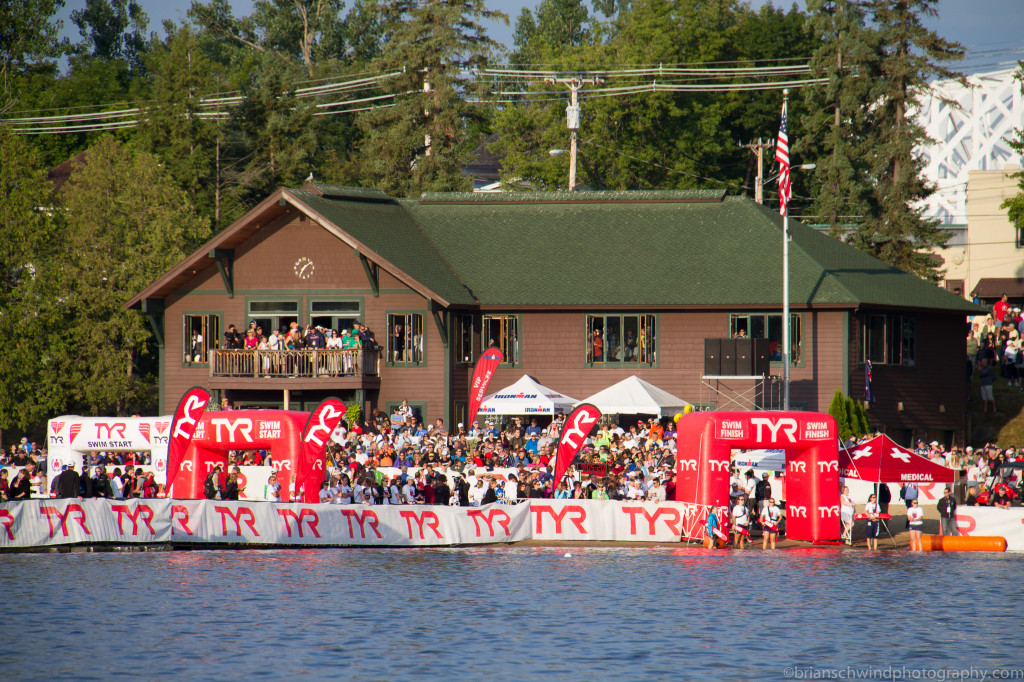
<point x="963" y="543"/>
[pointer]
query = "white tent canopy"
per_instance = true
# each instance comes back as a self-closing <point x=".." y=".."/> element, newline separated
<point x="636" y="396"/>
<point x="526" y="397"/>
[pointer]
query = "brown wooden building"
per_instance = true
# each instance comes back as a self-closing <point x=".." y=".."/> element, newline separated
<point x="651" y="274"/>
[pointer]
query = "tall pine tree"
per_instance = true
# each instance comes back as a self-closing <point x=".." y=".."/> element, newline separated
<point x="836" y="133"/>
<point x="910" y="55"/>
<point x="422" y="141"/>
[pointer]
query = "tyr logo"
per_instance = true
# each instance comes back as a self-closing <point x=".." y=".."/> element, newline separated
<point x="824" y="467"/>
<point x="687" y="465"/>
<point x="238" y="516"/>
<point x="242" y="425"/>
<point x="427" y="518"/>
<point x="719" y="465"/>
<point x="110" y="430"/>
<point x="64" y="517"/>
<point x="582" y="423"/>
<point x="786" y="424"/>
<point x="185" y="426"/>
<point x="796" y="512"/>
<point x="489" y="517"/>
<point x="327" y="420"/>
<point x="308" y="515"/>
<point x="141" y="511"/>
<point x="364" y="519"/>
<point x="828" y="512"/>
<point x="7" y="521"/>
<point x="798" y="466"/>
<point x="672" y="520"/>
<point x="579" y="516"/>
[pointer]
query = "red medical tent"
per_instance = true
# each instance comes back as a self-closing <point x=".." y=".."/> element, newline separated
<point x="880" y="460"/>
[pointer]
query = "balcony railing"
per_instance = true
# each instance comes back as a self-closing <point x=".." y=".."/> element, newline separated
<point x="294" y="363"/>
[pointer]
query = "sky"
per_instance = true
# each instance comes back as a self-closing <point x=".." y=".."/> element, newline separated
<point x="989" y="29"/>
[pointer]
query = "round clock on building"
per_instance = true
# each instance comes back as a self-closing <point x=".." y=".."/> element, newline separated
<point x="304" y="268"/>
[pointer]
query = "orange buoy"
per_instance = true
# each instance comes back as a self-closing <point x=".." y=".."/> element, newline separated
<point x="963" y="543"/>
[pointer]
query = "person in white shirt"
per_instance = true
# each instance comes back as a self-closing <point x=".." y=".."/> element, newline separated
<point x="770" y="517"/>
<point x="740" y="520"/>
<point x="915" y="518"/>
<point x="344" y="494"/>
<point x="477" y="492"/>
<point x="872" y="510"/>
<point x="846" y="510"/>
<point x="633" y="491"/>
<point x="409" y="491"/>
<point x="656" y="493"/>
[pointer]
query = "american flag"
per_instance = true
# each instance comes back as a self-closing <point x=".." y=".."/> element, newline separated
<point x="782" y="156"/>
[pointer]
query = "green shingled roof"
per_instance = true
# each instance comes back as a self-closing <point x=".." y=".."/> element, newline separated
<point x="616" y="248"/>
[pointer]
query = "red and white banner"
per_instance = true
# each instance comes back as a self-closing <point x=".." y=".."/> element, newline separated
<point x="482" y="373"/>
<point x="183" y="427"/>
<point x="986" y="521"/>
<point x="71" y="438"/>
<point x="37" y="523"/>
<point x="577" y="428"/>
<point x="315" y="434"/>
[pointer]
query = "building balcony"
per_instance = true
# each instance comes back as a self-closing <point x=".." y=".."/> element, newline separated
<point x="295" y="368"/>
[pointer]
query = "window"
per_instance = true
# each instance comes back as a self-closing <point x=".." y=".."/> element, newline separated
<point x="614" y="340"/>
<point x="502" y="331"/>
<point x="200" y="334"/>
<point x="464" y="339"/>
<point x="1019" y="241"/>
<point x="270" y="315"/>
<point x="888" y="339"/>
<point x="405" y="338"/>
<point x="769" y="326"/>
<point x="334" y="314"/>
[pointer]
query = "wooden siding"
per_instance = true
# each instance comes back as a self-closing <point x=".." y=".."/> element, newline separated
<point x="933" y="391"/>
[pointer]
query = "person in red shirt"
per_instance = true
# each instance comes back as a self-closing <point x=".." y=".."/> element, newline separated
<point x="1000" y="309"/>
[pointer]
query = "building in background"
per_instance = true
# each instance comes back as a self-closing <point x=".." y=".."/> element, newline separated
<point x="580" y="290"/>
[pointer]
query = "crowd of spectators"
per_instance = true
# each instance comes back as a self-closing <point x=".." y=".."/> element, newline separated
<point x="486" y="463"/>
<point x="995" y="350"/>
<point x="270" y="361"/>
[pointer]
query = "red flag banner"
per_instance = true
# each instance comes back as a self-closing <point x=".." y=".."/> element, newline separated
<point x="315" y="436"/>
<point x="183" y="427"/>
<point x="482" y="374"/>
<point x="577" y="428"/>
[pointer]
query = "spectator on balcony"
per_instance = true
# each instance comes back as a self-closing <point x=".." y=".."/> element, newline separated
<point x="250" y="342"/>
<point x="232" y="339"/>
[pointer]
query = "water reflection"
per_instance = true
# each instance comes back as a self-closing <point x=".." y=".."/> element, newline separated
<point x="504" y="612"/>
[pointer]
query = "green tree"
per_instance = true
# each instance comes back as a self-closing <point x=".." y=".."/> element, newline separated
<point x="910" y="55"/>
<point x="29" y="42"/>
<point x="176" y="127"/>
<point x="31" y="392"/>
<point x="1015" y="204"/>
<point x="126" y="223"/>
<point x="113" y="29"/>
<point x="838" y="410"/>
<point x="836" y="131"/>
<point x="422" y="142"/>
<point x="273" y="135"/>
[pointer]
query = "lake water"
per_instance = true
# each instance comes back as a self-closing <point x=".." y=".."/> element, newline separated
<point x="504" y="613"/>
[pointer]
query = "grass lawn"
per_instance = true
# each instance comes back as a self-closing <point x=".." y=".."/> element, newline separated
<point x="1006" y="426"/>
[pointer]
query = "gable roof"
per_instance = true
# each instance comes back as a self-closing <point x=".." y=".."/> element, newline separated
<point x="626" y="249"/>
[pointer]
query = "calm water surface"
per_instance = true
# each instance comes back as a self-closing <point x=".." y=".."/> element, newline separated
<point x="503" y="613"/>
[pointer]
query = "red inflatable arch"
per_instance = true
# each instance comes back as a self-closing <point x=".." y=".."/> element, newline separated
<point x="217" y="432"/>
<point x="704" y="441"/>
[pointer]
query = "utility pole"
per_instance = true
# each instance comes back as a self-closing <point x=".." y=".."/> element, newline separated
<point x="758" y="148"/>
<point x="572" y="116"/>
